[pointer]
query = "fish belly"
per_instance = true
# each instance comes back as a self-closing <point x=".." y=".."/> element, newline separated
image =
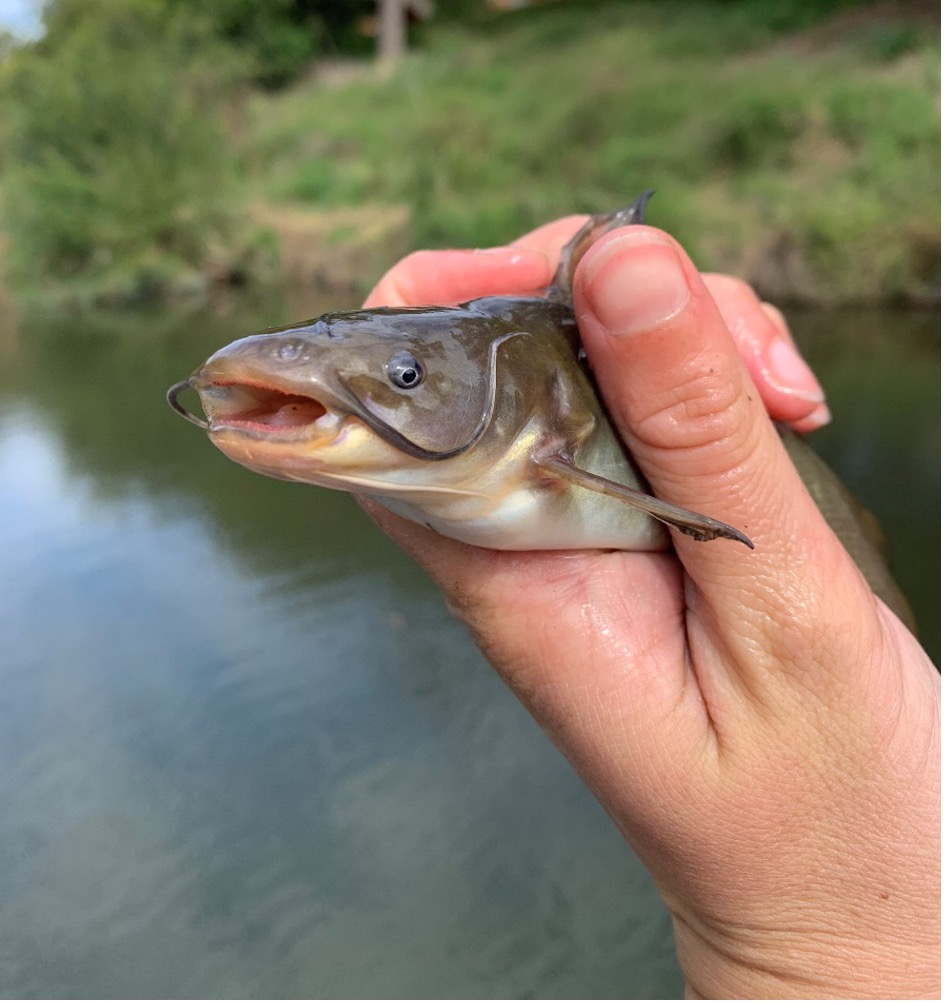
<point x="544" y="519"/>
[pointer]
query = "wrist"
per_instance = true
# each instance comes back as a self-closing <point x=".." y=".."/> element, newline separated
<point x="814" y="962"/>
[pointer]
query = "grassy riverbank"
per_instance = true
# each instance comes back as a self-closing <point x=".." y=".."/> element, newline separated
<point x="791" y="142"/>
<point x="801" y="156"/>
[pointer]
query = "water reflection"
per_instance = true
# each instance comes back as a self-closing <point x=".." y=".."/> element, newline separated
<point x="245" y="751"/>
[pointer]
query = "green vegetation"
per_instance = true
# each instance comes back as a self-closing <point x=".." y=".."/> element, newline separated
<point x="796" y="149"/>
<point x="795" y="142"/>
<point x="115" y="172"/>
<point x="278" y="39"/>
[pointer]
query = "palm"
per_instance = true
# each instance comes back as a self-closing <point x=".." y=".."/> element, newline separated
<point x="624" y="614"/>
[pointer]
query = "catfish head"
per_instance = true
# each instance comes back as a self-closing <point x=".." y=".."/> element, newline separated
<point x="354" y="400"/>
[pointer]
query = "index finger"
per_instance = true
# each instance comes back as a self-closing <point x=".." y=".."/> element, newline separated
<point x="453" y="276"/>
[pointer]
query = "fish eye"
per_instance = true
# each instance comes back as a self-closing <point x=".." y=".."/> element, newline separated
<point x="405" y="370"/>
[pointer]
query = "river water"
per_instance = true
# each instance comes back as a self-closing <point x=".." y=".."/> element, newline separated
<point x="244" y="750"/>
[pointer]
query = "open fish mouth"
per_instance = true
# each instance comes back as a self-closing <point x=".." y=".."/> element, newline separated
<point x="255" y="409"/>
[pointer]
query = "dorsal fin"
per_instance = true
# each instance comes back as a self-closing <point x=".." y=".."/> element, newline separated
<point x="561" y="289"/>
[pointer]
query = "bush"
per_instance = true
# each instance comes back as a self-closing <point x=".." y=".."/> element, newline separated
<point x="113" y="141"/>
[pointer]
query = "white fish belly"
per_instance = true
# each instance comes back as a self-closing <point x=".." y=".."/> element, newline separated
<point x="537" y="519"/>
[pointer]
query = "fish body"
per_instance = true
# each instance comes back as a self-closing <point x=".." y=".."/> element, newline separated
<point x="480" y="421"/>
<point x="502" y="390"/>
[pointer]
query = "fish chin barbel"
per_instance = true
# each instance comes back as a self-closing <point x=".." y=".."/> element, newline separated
<point x="172" y="395"/>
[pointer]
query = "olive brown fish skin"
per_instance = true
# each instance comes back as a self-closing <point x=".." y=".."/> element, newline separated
<point x="459" y="450"/>
<point x="479" y="421"/>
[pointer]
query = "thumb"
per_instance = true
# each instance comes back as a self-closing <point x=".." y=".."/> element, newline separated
<point x="682" y="399"/>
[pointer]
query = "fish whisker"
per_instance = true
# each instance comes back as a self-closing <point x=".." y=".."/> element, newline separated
<point x="172" y="395"/>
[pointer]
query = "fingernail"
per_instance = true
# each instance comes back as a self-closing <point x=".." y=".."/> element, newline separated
<point x="515" y="253"/>
<point x="791" y="372"/>
<point x="820" y="416"/>
<point x="776" y="316"/>
<point x="635" y="281"/>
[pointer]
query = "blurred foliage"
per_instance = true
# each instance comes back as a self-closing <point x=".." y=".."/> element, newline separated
<point x="796" y="143"/>
<point x="7" y="44"/>
<point x="280" y="38"/>
<point x="792" y="141"/>
<point x="114" y="151"/>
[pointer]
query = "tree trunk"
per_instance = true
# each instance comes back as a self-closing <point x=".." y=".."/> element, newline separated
<point x="391" y="39"/>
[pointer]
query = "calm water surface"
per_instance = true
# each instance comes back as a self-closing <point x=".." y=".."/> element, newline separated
<point x="244" y="751"/>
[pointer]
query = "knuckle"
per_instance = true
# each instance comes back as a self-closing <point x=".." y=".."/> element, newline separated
<point x="725" y="287"/>
<point x="400" y="282"/>
<point x="702" y="410"/>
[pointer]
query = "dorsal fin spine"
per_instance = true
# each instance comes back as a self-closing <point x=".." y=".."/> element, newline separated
<point x="561" y="289"/>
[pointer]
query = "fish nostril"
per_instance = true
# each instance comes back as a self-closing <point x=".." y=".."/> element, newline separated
<point x="288" y="352"/>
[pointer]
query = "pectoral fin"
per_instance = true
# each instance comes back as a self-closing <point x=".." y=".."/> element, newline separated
<point x="702" y="528"/>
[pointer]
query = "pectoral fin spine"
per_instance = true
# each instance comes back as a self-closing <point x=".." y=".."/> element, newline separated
<point x="702" y="528"/>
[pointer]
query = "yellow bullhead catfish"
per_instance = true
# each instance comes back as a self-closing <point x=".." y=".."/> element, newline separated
<point x="480" y="421"/>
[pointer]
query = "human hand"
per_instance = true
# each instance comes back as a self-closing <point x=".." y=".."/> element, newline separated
<point x="761" y="728"/>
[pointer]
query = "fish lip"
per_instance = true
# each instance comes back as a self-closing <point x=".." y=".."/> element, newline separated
<point x="263" y="411"/>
